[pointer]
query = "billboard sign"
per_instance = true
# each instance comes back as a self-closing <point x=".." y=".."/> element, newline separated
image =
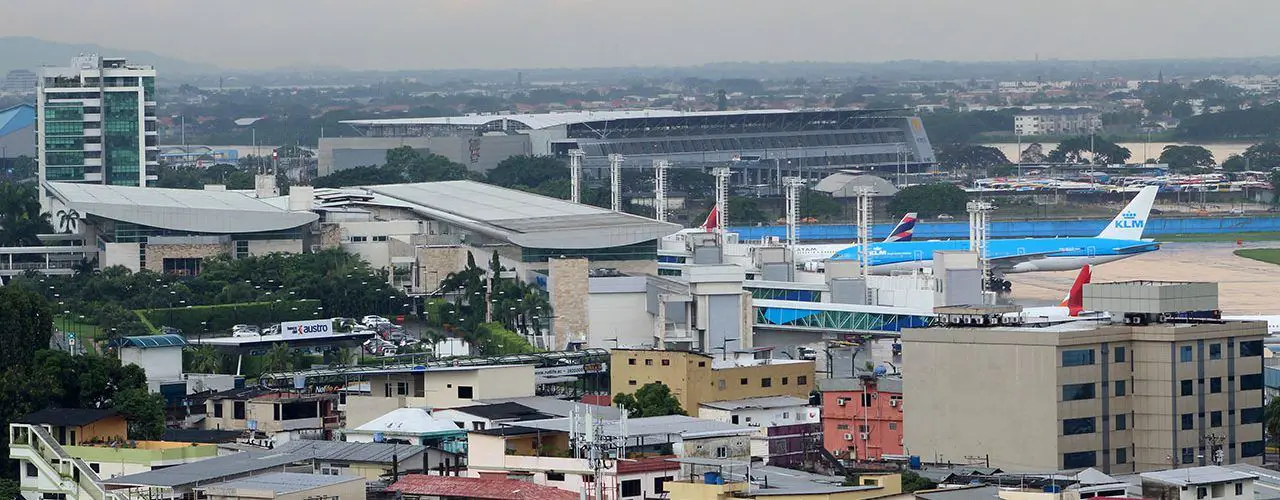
<point x="559" y="373"/>
<point x="308" y="328"/>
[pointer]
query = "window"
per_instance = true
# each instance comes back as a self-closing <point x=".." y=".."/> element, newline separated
<point x="242" y="249"/>
<point x="631" y="488"/>
<point x="893" y="426"/>
<point x="379" y="238"/>
<point x="785" y="380"/>
<point x="1118" y="354"/>
<point x="720" y="384"/>
<point x="402" y="388"/>
<point x="802" y="380"/>
<point x="217" y="409"/>
<point x="766" y="382"/>
<point x="1122" y="455"/>
<point x="31" y="469"/>
<point x="631" y="382"/>
<point x="1239" y="489"/>
<point x="477" y="426"/>
<point x="702" y="364"/>
<point x="666" y="362"/>
<point x="555" y="476"/>
<point x="1251" y="348"/>
<point x="660" y="484"/>
<point x="237" y="410"/>
<point x="465" y="392"/>
<point x="1122" y="422"/>
<point x="1185" y="354"/>
<point x="1251" y="382"/>
<point x="1188" y="455"/>
<point x="1251" y="449"/>
<point x="1215" y="419"/>
<point x="1215" y="351"/>
<point x="1078" y="357"/>
<point x="1201" y="492"/>
<point x="1215" y="385"/>
<point x="1079" y="460"/>
<point x="1077" y="392"/>
<point x="1188" y="421"/>
<point x="1251" y="416"/>
<point x="631" y="361"/>
<point x="722" y="452"/>
<point x="1073" y="426"/>
<point x="648" y="362"/>
<point x="866" y="400"/>
<point x="1186" y="387"/>
<point x="1119" y="388"/>
<point x="733" y="419"/>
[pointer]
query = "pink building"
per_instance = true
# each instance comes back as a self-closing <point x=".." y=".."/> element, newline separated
<point x="862" y="417"/>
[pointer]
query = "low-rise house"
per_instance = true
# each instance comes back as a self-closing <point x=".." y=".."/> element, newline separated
<point x="422" y="487"/>
<point x="282" y="416"/>
<point x="787" y="429"/>
<point x="371" y="461"/>
<point x="1197" y="483"/>
<point x="286" y="486"/>
<point x="486" y="416"/>
<point x="696" y="378"/>
<point x="711" y="479"/>
<point x="437" y="387"/>
<point x="411" y="426"/>
<point x="862" y="417"/>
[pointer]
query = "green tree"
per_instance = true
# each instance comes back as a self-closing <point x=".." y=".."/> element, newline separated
<point x="528" y="171"/>
<point x="818" y="205"/>
<point x="1274" y="179"/>
<point x="21" y="168"/>
<point x="929" y="200"/>
<point x="494" y="340"/>
<point x="650" y="400"/>
<point x="143" y="411"/>
<point x="27" y="322"/>
<point x="278" y="359"/>
<point x="1263" y="156"/>
<point x="1271" y="420"/>
<point x="1077" y="150"/>
<point x="1235" y="163"/>
<point x="205" y="359"/>
<point x="1034" y="153"/>
<point x="912" y="482"/>
<point x="743" y="210"/>
<point x="959" y="156"/>
<point x="1184" y="158"/>
<point x="20" y="216"/>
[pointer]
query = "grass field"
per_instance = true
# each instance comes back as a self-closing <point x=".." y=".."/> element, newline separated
<point x="82" y="330"/>
<point x="1209" y="238"/>
<point x="1268" y="255"/>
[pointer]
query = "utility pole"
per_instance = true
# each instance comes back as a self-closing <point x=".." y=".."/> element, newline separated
<point x="793" y="185"/>
<point x="722" y="175"/>
<point x="615" y="182"/>
<point x="660" y="189"/>
<point x="575" y="174"/>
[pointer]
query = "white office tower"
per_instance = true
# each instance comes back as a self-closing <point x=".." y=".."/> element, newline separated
<point x="96" y="123"/>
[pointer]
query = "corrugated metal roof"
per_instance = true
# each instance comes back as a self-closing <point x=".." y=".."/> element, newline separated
<point x="761" y="403"/>
<point x="17" y="117"/>
<point x="342" y="451"/>
<point x="1197" y="475"/>
<point x="480" y="488"/>
<point x="205" y="471"/>
<point x="150" y="341"/>
<point x="193" y="210"/>
<point x="284" y="483"/>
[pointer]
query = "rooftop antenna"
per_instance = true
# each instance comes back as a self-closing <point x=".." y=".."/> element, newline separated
<point x="722" y="175"/>
<point x="863" y="194"/>
<point x="793" y="185"/>
<point x="660" y="189"/>
<point x="615" y="181"/>
<point x="575" y="174"/>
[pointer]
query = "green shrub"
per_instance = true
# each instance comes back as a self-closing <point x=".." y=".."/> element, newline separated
<point x="223" y="316"/>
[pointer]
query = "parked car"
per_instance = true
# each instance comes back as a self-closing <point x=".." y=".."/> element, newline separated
<point x="373" y="320"/>
<point x="245" y="331"/>
<point x="1237" y="211"/>
<point x="945" y="217"/>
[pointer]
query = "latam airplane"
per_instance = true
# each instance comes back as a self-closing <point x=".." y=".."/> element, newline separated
<point x="1121" y="239"/>
<point x="1070" y="309"/>
<point x="809" y="256"/>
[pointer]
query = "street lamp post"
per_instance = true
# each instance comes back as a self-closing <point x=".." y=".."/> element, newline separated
<point x="724" y="346"/>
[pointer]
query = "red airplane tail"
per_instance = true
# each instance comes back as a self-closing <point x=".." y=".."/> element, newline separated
<point x="1075" y="299"/>
<point x="713" y="220"/>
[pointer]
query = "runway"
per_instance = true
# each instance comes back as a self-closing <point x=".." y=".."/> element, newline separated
<point x="1245" y="286"/>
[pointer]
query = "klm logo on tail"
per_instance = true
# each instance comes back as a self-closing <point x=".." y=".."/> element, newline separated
<point x="1129" y="220"/>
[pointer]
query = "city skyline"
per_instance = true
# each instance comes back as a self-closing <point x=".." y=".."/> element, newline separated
<point x="493" y="34"/>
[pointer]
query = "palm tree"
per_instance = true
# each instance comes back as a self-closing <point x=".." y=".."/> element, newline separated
<point x="278" y="359"/>
<point x="205" y="359"/>
<point x="67" y="219"/>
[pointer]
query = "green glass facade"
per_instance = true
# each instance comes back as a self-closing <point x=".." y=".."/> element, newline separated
<point x="64" y="141"/>
<point x="120" y="125"/>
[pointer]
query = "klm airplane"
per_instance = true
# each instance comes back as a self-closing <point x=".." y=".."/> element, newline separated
<point x="1121" y="239"/>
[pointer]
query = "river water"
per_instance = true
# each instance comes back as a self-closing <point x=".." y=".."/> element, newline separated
<point x="1220" y="150"/>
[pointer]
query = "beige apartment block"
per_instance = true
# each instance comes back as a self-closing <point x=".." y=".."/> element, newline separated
<point x="1115" y="397"/>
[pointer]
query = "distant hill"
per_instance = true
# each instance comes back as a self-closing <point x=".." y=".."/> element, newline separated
<point x="22" y="52"/>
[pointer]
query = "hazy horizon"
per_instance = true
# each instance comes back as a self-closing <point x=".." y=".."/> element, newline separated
<point x="505" y="34"/>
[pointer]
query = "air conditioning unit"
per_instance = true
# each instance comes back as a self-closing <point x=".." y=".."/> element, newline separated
<point x="863" y="435"/>
<point x="848" y="437"/>
<point x="893" y="403"/>
<point x="839" y="401"/>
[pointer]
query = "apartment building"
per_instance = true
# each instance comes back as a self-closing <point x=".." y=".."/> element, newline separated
<point x="273" y="412"/>
<point x="862" y="417"/>
<point x="1048" y="122"/>
<point x="788" y="429"/>
<point x="96" y="122"/>
<point x="1120" y="398"/>
<point x="696" y="378"/>
<point x="437" y="387"/>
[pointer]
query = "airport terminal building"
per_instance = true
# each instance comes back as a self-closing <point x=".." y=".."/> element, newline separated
<point x="764" y="143"/>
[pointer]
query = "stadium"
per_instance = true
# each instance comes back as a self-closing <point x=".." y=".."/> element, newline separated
<point x="761" y="144"/>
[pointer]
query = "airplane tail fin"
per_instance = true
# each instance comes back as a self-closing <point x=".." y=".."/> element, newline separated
<point x="713" y="220"/>
<point x="902" y="231"/>
<point x="1075" y="299"/>
<point x="1129" y="223"/>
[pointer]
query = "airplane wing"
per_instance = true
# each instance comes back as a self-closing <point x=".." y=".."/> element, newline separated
<point x="1008" y="261"/>
<point x="1141" y="246"/>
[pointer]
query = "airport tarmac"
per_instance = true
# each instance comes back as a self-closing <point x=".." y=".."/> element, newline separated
<point x="1246" y="286"/>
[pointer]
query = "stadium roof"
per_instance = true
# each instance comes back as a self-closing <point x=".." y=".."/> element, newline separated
<point x="525" y="219"/>
<point x="549" y="120"/>
<point x="192" y="210"/>
<point x="17" y="117"/>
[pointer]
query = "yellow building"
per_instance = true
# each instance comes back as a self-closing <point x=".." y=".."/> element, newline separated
<point x="696" y="378"/>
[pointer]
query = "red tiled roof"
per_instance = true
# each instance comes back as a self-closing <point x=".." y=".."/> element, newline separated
<point x="472" y="487"/>
<point x="651" y="464"/>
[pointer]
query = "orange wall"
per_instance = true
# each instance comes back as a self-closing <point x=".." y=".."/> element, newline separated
<point x="105" y="429"/>
<point x="879" y="417"/>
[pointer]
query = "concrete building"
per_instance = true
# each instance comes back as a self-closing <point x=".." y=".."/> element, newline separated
<point x="17" y="133"/>
<point x="788" y="429"/>
<point x="424" y="487"/>
<point x="1116" y="396"/>
<point x="438" y="387"/>
<point x="761" y="144"/>
<point x="97" y="123"/>
<point x="862" y="418"/>
<point x="372" y="461"/>
<point x="696" y="378"/>
<point x="1198" y="483"/>
<point x="1051" y="122"/>
<point x="409" y="425"/>
<point x="278" y="416"/>
<point x="285" y="486"/>
<point x="718" y="479"/>
<point x="160" y="356"/>
<point x="19" y="81"/>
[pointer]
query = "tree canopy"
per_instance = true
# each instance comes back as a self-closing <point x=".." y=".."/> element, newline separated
<point x="1078" y="149"/>
<point x="650" y="400"/>
<point x="960" y="156"/>
<point x="1184" y="158"/>
<point x="20" y="216"/>
<point x="403" y="164"/>
<point x="27" y="325"/>
<point x="1263" y="156"/>
<point x="929" y="200"/>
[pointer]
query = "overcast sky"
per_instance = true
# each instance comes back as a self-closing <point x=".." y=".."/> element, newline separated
<point x="433" y="34"/>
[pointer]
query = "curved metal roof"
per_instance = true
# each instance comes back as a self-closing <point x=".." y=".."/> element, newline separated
<point x="548" y="120"/>
<point x="150" y="341"/>
<point x="190" y="210"/>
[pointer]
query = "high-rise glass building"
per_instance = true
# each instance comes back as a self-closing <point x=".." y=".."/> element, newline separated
<point x="97" y="123"/>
